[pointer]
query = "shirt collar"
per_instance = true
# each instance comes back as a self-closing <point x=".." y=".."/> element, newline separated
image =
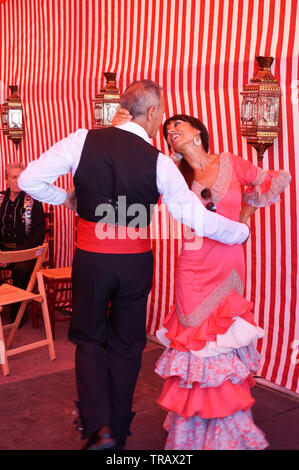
<point x="135" y="129"/>
<point x="7" y="194"/>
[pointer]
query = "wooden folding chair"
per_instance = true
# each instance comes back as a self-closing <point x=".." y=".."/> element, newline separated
<point x="53" y="278"/>
<point x="10" y="294"/>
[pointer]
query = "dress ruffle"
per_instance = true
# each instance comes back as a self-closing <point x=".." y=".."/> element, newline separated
<point x="267" y="188"/>
<point x="208" y="371"/>
<point x="214" y="402"/>
<point x="209" y="387"/>
<point x="218" y="323"/>
<point x="236" y="432"/>
<point x="240" y="334"/>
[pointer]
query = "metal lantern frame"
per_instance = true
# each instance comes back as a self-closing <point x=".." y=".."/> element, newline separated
<point x="260" y="108"/>
<point x="106" y="103"/>
<point x="12" y="116"/>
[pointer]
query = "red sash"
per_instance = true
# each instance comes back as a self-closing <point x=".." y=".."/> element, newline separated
<point x="107" y="238"/>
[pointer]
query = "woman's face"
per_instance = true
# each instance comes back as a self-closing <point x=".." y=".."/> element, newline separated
<point x="179" y="134"/>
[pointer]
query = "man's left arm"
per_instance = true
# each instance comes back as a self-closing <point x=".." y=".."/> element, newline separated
<point x="39" y="177"/>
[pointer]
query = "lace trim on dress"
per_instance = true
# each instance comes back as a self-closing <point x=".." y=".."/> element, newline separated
<point x="232" y="282"/>
<point x="222" y="183"/>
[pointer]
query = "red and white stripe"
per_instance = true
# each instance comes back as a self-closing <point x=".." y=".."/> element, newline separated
<point x="202" y="53"/>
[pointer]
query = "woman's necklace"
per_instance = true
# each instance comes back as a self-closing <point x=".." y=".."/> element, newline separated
<point x="203" y="162"/>
<point x="207" y="173"/>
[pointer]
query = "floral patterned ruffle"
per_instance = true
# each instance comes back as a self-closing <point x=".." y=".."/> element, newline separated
<point x="235" y="432"/>
<point x="208" y="371"/>
<point x="208" y="400"/>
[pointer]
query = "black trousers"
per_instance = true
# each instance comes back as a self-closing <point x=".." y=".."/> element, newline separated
<point x="108" y="326"/>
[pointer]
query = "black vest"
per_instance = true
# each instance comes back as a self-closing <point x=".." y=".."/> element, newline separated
<point x="115" y="180"/>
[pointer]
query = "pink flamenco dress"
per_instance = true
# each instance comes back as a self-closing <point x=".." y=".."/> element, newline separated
<point x="210" y="334"/>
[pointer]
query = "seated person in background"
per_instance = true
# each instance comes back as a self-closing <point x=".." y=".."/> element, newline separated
<point x="22" y="226"/>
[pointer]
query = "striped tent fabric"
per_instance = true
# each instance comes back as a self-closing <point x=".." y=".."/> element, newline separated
<point x="202" y="52"/>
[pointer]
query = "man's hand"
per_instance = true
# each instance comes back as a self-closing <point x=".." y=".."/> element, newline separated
<point x="71" y="200"/>
<point x="121" y="117"/>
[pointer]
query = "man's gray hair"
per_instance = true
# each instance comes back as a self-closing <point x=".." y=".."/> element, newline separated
<point x="13" y="166"/>
<point x="139" y="96"/>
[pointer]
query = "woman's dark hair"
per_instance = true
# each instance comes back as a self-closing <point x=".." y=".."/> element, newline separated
<point x="184" y="167"/>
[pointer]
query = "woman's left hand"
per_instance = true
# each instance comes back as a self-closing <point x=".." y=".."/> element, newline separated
<point x="121" y="117"/>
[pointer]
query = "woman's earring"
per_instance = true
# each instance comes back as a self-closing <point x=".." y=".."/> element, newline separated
<point x="197" y="141"/>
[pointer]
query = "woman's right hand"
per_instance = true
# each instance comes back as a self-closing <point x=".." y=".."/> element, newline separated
<point x="121" y="117"/>
<point x="246" y="212"/>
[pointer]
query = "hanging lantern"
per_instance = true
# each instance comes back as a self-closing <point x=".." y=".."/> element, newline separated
<point x="12" y="116"/>
<point x="260" y="108"/>
<point x="106" y="103"/>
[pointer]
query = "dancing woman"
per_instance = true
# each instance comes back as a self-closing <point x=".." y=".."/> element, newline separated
<point x="210" y="331"/>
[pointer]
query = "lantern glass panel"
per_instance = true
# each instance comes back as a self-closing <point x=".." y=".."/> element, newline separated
<point x="4" y="118"/>
<point x="15" y="118"/>
<point x="268" y="111"/>
<point x="109" y="110"/>
<point x="248" y="111"/>
<point x="98" y="112"/>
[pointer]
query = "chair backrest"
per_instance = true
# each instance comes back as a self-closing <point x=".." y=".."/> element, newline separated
<point x="39" y="253"/>
<point x="49" y="216"/>
<point x="5" y="275"/>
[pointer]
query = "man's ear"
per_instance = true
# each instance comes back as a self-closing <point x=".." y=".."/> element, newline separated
<point x="151" y="113"/>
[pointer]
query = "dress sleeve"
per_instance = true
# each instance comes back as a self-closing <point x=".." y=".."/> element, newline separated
<point x="262" y="188"/>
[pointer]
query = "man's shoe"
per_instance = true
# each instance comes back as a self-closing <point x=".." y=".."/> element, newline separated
<point x="100" y="441"/>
